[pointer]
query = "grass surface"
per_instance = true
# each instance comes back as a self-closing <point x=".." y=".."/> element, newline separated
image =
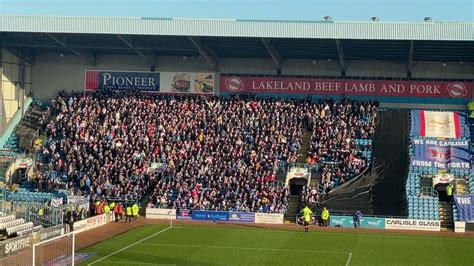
<point x="206" y="245"/>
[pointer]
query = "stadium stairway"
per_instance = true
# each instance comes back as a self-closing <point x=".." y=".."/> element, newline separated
<point x="446" y="216"/>
<point x="290" y="215"/>
<point x="303" y="151"/>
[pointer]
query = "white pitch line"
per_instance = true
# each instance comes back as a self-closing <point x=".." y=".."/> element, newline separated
<point x="136" y="263"/>
<point x="131" y="245"/>
<point x="349" y="259"/>
<point x="341" y="233"/>
<point x="245" y="248"/>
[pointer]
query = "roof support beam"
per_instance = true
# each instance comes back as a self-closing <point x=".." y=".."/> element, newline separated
<point x="128" y="42"/>
<point x="410" y="59"/>
<point x="275" y="55"/>
<point x="340" y="53"/>
<point x="90" y="59"/>
<point x="206" y="52"/>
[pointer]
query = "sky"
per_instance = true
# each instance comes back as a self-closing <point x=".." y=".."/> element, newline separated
<point x="339" y="10"/>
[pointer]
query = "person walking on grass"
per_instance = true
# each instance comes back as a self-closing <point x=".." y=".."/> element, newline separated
<point x="306" y="217"/>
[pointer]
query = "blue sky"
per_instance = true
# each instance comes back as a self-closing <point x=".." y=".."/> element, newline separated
<point x="342" y="10"/>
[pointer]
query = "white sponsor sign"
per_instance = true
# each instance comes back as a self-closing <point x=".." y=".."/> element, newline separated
<point x="17" y="245"/>
<point x="459" y="227"/>
<point x="269" y="218"/>
<point x="153" y="213"/>
<point x="443" y="178"/>
<point x="90" y="223"/>
<point x="407" y="224"/>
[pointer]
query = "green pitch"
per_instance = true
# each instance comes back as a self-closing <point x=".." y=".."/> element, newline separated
<point x="207" y="245"/>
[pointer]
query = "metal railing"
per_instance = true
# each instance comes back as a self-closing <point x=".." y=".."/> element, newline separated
<point x="429" y="192"/>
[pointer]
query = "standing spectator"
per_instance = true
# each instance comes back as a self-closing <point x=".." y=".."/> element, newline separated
<point x="135" y="210"/>
<point x="357" y="218"/>
<point x="128" y="213"/>
<point x="116" y="212"/>
<point x="306" y="217"/>
<point x="325" y="217"/>
<point x="449" y="192"/>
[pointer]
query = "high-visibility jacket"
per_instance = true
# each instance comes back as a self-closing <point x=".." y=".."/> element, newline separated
<point x="307" y="214"/>
<point x="40" y="212"/>
<point x="106" y="208"/>
<point x="325" y="214"/>
<point x="449" y="190"/>
<point x="135" y="209"/>
<point x="112" y="205"/>
<point x="129" y="211"/>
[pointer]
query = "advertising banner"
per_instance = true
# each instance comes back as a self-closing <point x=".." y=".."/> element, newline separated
<point x="210" y="215"/>
<point x="47" y="233"/>
<point x="154" y="213"/>
<point x="156" y="82"/>
<point x="465" y="206"/>
<point x="371" y="222"/>
<point x="182" y="214"/>
<point x="443" y="179"/>
<point x="407" y="224"/>
<point x="10" y="247"/>
<point x="459" y="227"/>
<point x="441" y="154"/>
<point x="246" y="217"/>
<point x="268" y="218"/>
<point x="437" y="124"/>
<point x="348" y="87"/>
<point x="341" y="221"/>
<point x="90" y="223"/>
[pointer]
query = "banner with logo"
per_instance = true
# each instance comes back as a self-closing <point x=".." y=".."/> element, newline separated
<point x="348" y="87"/>
<point x="269" y="218"/>
<point x="437" y="124"/>
<point x="156" y="82"/>
<point x="408" y="224"/>
<point x="183" y="214"/>
<point x="90" y="223"/>
<point x="154" y="213"/>
<point x="47" y="233"/>
<point x="56" y="202"/>
<point x="245" y="217"/>
<point x="441" y="154"/>
<point x="221" y="216"/>
<point x="371" y="222"/>
<point x="13" y="246"/>
<point x="341" y="221"/>
<point x="465" y="206"/>
<point x="445" y="178"/>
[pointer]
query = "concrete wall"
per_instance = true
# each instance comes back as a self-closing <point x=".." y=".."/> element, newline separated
<point x="52" y="72"/>
<point x="12" y="94"/>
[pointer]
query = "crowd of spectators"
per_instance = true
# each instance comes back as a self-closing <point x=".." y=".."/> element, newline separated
<point x="336" y="127"/>
<point x="219" y="153"/>
<point x="216" y="153"/>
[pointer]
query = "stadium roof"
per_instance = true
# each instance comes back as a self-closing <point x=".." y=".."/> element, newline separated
<point x="212" y="39"/>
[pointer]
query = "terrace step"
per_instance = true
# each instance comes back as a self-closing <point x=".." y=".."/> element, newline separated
<point x="292" y="209"/>
<point x="446" y="216"/>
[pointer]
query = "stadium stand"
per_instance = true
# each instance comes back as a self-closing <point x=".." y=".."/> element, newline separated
<point x="265" y="132"/>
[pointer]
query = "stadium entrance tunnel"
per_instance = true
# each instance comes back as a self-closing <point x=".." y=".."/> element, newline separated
<point x="297" y="184"/>
<point x="379" y="190"/>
